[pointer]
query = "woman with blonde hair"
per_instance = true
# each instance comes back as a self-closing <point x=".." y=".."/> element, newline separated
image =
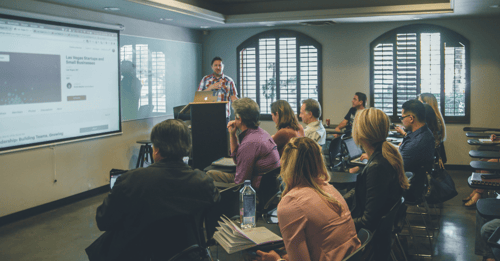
<point x="382" y="182"/>
<point x="314" y="219"/>
<point x="429" y="98"/>
<point x="287" y="124"/>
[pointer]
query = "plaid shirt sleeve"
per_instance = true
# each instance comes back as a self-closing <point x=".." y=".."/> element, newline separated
<point x="202" y="84"/>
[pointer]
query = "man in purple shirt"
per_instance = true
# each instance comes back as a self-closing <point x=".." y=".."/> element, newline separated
<point x="255" y="153"/>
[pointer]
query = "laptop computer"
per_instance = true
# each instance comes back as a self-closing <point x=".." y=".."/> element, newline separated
<point x="354" y="152"/>
<point x="113" y="176"/>
<point x="205" y="96"/>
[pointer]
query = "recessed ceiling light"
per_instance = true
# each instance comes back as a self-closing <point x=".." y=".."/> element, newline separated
<point x="166" y="19"/>
<point x="494" y="6"/>
<point x="416" y="18"/>
<point x="111" y="8"/>
<point x="204" y="27"/>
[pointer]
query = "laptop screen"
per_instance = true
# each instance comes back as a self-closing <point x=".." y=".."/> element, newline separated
<point x="354" y="151"/>
<point x="113" y="179"/>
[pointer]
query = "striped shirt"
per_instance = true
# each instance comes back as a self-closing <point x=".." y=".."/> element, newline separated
<point x="227" y="90"/>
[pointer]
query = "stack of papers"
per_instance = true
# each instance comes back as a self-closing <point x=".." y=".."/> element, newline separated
<point x="234" y="239"/>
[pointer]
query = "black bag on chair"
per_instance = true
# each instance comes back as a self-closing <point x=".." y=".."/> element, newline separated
<point x="441" y="187"/>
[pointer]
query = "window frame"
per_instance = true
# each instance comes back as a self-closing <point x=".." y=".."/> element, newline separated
<point x="446" y="35"/>
<point x="301" y="40"/>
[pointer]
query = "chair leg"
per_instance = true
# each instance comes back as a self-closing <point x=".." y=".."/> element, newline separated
<point x="401" y="246"/>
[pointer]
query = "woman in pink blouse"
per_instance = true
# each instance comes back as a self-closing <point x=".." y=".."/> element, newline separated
<point x="314" y="219"/>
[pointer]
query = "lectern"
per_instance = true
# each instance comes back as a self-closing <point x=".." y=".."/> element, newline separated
<point x="209" y="132"/>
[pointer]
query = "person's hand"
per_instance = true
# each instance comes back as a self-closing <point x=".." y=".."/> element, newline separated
<point x="493" y="137"/>
<point x="215" y="86"/>
<point x="231" y="126"/>
<point x="400" y="130"/>
<point x="364" y="156"/>
<point x="263" y="256"/>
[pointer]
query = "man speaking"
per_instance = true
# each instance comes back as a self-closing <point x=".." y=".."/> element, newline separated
<point x="220" y="83"/>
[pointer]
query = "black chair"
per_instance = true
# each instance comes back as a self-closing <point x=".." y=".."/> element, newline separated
<point x="269" y="190"/>
<point x="334" y="151"/>
<point x="382" y="237"/>
<point x="415" y="197"/>
<point x="365" y="237"/>
<point x="181" y="116"/>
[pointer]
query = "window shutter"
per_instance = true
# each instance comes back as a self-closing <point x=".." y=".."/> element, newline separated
<point x="406" y="68"/>
<point x="248" y="76"/>
<point x="308" y="72"/>
<point x="383" y="77"/>
<point x="455" y="80"/>
<point x="267" y="74"/>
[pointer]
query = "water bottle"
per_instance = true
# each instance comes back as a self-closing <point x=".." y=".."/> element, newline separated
<point x="247" y="205"/>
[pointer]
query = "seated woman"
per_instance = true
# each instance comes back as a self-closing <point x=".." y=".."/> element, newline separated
<point x="314" y="219"/>
<point x="286" y="122"/>
<point x="381" y="183"/>
<point x="429" y="98"/>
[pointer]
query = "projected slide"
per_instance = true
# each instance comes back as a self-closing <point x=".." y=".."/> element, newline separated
<point x="29" y="78"/>
<point x="57" y="82"/>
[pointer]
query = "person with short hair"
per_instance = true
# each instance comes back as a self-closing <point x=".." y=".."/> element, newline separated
<point x="143" y="197"/>
<point x="417" y="147"/>
<point x="255" y="153"/>
<point x="310" y="111"/>
<point x="314" y="219"/>
<point x="286" y="122"/>
<point x="358" y="104"/>
<point x="220" y="83"/>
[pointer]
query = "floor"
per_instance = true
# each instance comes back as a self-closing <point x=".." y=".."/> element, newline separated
<point x="64" y="233"/>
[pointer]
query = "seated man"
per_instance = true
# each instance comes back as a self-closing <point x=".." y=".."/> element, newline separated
<point x="358" y="103"/>
<point x="137" y="211"/>
<point x="417" y="148"/>
<point x="484" y="229"/>
<point x="310" y="111"/>
<point x="255" y="153"/>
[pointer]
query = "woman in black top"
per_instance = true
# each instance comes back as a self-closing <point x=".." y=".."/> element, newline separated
<point x="381" y="183"/>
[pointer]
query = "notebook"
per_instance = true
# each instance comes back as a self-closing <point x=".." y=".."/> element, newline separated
<point x="354" y="152"/>
<point x="205" y="96"/>
<point x="477" y="179"/>
<point x="224" y="162"/>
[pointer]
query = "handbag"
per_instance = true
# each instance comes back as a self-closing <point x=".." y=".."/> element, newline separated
<point x="441" y="187"/>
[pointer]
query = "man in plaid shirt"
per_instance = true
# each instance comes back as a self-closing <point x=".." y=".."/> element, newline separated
<point x="220" y="83"/>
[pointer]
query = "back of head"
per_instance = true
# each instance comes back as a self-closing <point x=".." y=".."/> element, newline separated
<point x="361" y="97"/>
<point x="429" y="98"/>
<point x="302" y="165"/>
<point x="430" y="119"/>
<point x="415" y="108"/>
<point x="172" y="138"/>
<point x="286" y="116"/>
<point x="372" y="126"/>
<point x="248" y="111"/>
<point x="313" y="106"/>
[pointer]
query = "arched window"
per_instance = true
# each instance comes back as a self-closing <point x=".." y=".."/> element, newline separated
<point x="279" y="65"/>
<point x="421" y="58"/>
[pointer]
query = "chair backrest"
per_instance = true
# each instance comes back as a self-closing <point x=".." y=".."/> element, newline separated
<point x="268" y="188"/>
<point x="382" y="238"/>
<point x="177" y="114"/>
<point x="418" y="184"/>
<point x="334" y="150"/>
<point x="365" y="237"/>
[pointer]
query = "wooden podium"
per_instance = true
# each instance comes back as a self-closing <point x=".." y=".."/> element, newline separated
<point x="208" y="131"/>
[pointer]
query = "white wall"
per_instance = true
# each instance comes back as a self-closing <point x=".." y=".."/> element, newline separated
<point x="346" y="65"/>
<point x="27" y="177"/>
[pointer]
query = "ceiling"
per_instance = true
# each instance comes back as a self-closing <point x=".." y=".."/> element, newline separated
<point x="213" y="14"/>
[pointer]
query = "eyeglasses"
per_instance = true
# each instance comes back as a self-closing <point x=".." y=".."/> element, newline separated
<point x="402" y="117"/>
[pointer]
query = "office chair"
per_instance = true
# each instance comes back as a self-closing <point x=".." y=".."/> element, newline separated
<point x="365" y="237"/>
<point x="334" y="151"/>
<point x="178" y="115"/>
<point x="382" y="237"/>
<point x="269" y="189"/>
